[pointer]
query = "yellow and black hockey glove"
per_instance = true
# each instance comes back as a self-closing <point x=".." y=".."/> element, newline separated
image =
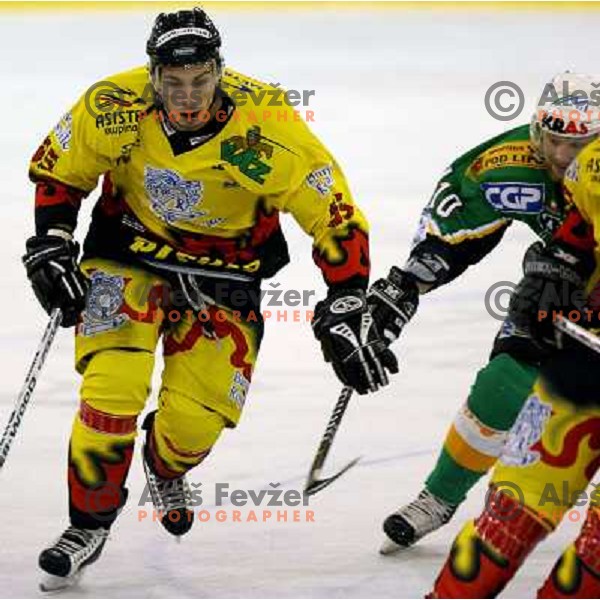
<point x="52" y="269"/>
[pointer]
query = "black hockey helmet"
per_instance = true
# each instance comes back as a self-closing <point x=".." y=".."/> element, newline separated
<point x="182" y="38"/>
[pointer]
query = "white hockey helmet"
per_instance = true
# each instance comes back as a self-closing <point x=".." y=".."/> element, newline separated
<point x="568" y="107"/>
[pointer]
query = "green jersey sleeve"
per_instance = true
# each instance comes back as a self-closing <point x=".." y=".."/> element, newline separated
<point x="473" y="204"/>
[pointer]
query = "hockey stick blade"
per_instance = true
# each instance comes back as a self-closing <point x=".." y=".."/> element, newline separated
<point x="579" y="333"/>
<point x="31" y="379"/>
<point x="314" y="485"/>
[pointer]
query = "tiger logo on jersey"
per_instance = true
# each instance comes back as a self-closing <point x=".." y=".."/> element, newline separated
<point x="173" y="198"/>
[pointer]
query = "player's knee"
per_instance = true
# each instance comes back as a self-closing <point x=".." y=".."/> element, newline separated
<point x="117" y="381"/>
<point x="187" y="426"/>
<point x="500" y="390"/>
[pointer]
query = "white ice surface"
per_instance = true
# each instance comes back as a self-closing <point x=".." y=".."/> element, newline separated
<point x="398" y="96"/>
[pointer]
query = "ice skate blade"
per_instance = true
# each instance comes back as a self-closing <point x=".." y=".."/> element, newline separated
<point x="53" y="583"/>
<point x="388" y="547"/>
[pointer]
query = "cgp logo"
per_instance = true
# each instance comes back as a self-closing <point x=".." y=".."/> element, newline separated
<point x="515" y="197"/>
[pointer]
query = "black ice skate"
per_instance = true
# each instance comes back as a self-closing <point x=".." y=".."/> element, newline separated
<point x="170" y="497"/>
<point x="65" y="560"/>
<point x="414" y="521"/>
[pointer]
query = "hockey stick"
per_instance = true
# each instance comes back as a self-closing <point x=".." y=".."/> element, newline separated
<point x="10" y="432"/>
<point x="577" y="332"/>
<point x="313" y="483"/>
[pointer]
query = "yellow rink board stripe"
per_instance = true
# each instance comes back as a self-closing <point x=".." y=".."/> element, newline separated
<point x="251" y="5"/>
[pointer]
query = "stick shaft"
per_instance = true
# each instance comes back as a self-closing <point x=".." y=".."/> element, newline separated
<point x="332" y="426"/>
<point x="577" y="332"/>
<point x="14" y="422"/>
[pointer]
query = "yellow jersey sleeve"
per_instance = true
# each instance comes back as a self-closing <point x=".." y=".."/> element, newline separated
<point x="320" y="200"/>
<point x="581" y="226"/>
<point x="75" y="152"/>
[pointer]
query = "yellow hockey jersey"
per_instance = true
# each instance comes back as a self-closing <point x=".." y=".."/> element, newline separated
<point x="582" y="228"/>
<point x="209" y="200"/>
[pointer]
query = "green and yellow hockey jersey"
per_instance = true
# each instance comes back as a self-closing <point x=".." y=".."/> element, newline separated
<point x="481" y="194"/>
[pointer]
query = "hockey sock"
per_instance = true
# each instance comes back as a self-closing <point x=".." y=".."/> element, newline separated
<point x="100" y="455"/>
<point x="577" y="572"/>
<point x="488" y="551"/>
<point x="479" y="430"/>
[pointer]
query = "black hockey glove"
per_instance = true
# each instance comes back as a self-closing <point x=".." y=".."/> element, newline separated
<point x="554" y="278"/>
<point x="351" y="342"/>
<point x="393" y="302"/>
<point x="51" y="263"/>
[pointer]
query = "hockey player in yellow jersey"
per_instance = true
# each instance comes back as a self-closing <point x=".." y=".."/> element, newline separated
<point x="196" y="169"/>
<point x="552" y="453"/>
